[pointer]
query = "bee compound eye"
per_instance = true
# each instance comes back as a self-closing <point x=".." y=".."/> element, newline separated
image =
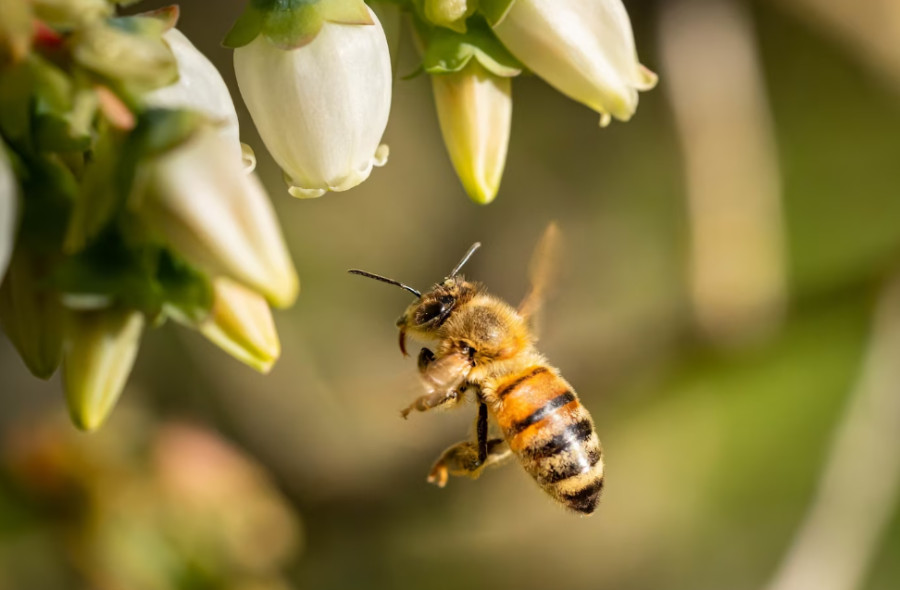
<point x="434" y="309"/>
<point x="428" y="312"/>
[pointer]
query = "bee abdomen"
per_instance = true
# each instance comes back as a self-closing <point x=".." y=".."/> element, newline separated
<point x="553" y="435"/>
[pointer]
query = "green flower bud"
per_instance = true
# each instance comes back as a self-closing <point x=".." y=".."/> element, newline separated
<point x="241" y="324"/>
<point x="140" y="59"/>
<point x="449" y="13"/>
<point x="16" y="30"/>
<point x="474" y="108"/>
<point x="72" y="13"/>
<point x="31" y="315"/>
<point x="98" y="353"/>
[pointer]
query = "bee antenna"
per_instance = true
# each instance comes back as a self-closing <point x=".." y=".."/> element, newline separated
<point x="384" y="280"/>
<point x="465" y="259"/>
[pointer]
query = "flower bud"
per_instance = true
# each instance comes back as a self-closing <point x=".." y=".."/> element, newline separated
<point x="69" y="13"/>
<point x="99" y="349"/>
<point x="474" y="108"/>
<point x="137" y="60"/>
<point x="9" y="206"/>
<point x="449" y="13"/>
<point x="240" y="323"/>
<point x="218" y="217"/>
<point x="17" y="29"/>
<point x="31" y="315"/>
<point x="200" y="87"/>
<point x="320" y="108"/>
<point x="584" y="49"/>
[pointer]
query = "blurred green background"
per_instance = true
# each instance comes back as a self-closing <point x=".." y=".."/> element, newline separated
<point x="719" y="403"/>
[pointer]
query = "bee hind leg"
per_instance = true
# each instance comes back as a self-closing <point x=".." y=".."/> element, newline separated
<point x="469" y="458"/>
<point x="462" y="460"/>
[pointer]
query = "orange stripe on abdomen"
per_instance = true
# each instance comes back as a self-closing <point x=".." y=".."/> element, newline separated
<point x="527" y="401"/>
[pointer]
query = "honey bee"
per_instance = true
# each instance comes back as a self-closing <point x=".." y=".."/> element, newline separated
<point x="485" y="346"/>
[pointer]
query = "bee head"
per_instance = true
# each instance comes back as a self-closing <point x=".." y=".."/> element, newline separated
<point x="430" y="310"/>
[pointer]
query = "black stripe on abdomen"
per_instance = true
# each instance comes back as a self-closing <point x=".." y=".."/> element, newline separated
<point x="551" y="406"/>
<point x="509" y="388"/>
<point x="584" y="500"/>
<point x="578" y="465"/>
<point x="574" y="433"/>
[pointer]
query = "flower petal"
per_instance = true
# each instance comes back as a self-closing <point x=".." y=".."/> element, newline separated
<point x="219" y="217"/>
<point x="200" y="87"/>
<point x="583" y="49"/>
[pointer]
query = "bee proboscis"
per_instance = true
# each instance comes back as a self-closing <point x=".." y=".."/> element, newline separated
<point x="483" y="344"/>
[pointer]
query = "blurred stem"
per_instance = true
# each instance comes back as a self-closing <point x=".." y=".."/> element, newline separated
<point x="737" y="274"/>
<point x="870" y="29"/>
<point x="858" y="489"/>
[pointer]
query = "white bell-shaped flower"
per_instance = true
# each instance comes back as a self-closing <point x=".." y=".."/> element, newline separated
<point x="583" y="48"/>
<point x="218" y="217"/>
<point x="9" y="206"/>
<point x="320" y="108"/>
<point x="200" y="87"/>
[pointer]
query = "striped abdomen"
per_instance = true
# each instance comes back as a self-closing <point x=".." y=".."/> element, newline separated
<point x="553" y="436"/>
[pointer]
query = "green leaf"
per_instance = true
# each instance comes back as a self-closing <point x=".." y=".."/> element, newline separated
<point x="159" y="130"/>
<point x="247" y="27"/>
<point x="16" y="85"/>
<point x="143" y="276"/>
<point x="167" y="15"/>
<point x="448" y="51"/>
<point x="62" y="114"/>
<point x="185" y="291"/>
<point x="99" y="195"/>
<point x="290" y="24"/>
<point x="49" y="190"/>
<point x="112" y="174"/>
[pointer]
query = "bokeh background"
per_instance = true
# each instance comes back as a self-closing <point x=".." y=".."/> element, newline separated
<point x="727" y="307"/>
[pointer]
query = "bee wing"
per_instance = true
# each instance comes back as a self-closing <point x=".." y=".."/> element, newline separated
<point x="541" y="272"/>
<point x="446" y="373"/>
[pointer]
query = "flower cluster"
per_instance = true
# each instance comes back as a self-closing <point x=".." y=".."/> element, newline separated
<point x="126" y="199"/>
<point x="316" y="77"/>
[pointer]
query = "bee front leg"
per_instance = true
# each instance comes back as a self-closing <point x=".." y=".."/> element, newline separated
<point x="469" y="458"/>
<point x="426" y="357"/>
<point x="444" y="378"/>
<point x="435" y="400"/>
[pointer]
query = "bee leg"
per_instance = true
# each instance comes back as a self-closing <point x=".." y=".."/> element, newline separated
<point x="426" y="357"/>
<point x="435" y="400"/>
<point x="462" y="459"/>
<point x="468" y="458"/>
<point x="446" y="381"/>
